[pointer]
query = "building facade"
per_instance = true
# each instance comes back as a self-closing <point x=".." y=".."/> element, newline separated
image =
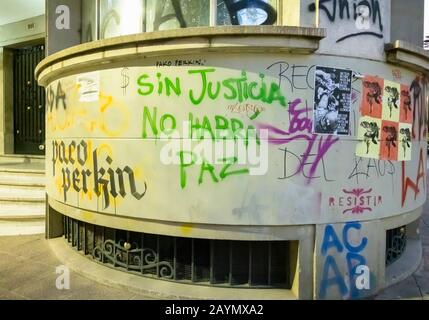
<point x="322" y="206"/>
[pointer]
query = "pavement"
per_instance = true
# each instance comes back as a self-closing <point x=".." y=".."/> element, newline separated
<point x="28" y="271"/>
<point x="415" y="287"/>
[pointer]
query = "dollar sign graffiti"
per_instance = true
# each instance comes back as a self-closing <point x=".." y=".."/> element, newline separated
<point x="125" y="80"/>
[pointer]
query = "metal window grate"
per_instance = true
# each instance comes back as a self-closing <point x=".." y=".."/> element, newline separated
<point x="251" y="264"/>
<point x="396" y="242"/>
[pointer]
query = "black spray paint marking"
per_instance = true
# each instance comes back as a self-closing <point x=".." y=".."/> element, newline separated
<point x="364" y="13"/>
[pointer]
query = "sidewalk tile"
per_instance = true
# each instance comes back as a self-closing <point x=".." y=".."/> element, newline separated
<point x="44" y="289"/>
<point x="423" y="282"/>
<point x="9" y="295"/>
<point x="22" y="274"/>
<point x="406" y="289"/>
<point x="11" y="243"/>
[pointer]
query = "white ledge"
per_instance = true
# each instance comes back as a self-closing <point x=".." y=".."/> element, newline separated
<point x="408" y="55"/>
<point x="227" y="39"/>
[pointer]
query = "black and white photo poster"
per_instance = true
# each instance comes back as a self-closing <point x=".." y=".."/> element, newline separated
<point x="332" y="99"/>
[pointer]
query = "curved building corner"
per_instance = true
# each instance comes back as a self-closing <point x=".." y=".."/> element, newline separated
<point x="144" y="107"/>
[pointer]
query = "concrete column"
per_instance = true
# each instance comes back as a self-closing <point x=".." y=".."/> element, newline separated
<point x="54" y="222"/>
<point x="309" y="18"/>
<point x="408" y="13"/>
<point x="64" y="20"/>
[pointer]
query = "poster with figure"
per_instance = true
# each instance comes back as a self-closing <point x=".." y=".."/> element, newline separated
<point x="369" y="138"/>
<point x="372" y="96"/>
<point x="406" y="112"/>
<point x="391" y="101"/>
<point x="332" y="100"/>
<point x="388" y="104"/>
<point x="389" y="140"/>
<point x="404" y="152"/>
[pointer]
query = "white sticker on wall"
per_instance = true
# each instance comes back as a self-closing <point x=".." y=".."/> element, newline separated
<point x="89" y="86"/>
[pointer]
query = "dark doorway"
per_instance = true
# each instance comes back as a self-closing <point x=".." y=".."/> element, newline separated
<point x="28" y="102"/>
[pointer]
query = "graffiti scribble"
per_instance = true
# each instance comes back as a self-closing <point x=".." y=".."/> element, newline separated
<point x="300" y="128"/>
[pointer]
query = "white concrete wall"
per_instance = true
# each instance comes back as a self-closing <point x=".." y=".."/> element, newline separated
<point x="307" y="181"/>
<point x="360" y="32"/>
<point x="105" y="114"/>
<point x="22" y="31"/>
<point x="309" y="178"/>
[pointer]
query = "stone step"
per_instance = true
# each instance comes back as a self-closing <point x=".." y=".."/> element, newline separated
<point x="22" y="227"/>
<point x="22" y="210"/>
<point x="22" y="193"/>
<point x="24" y="166"/>
<point x="21" y="158"/>
<point x="15" y="178"/>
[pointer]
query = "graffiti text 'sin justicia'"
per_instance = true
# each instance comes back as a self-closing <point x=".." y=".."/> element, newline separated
<point x="237" y="89"/>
